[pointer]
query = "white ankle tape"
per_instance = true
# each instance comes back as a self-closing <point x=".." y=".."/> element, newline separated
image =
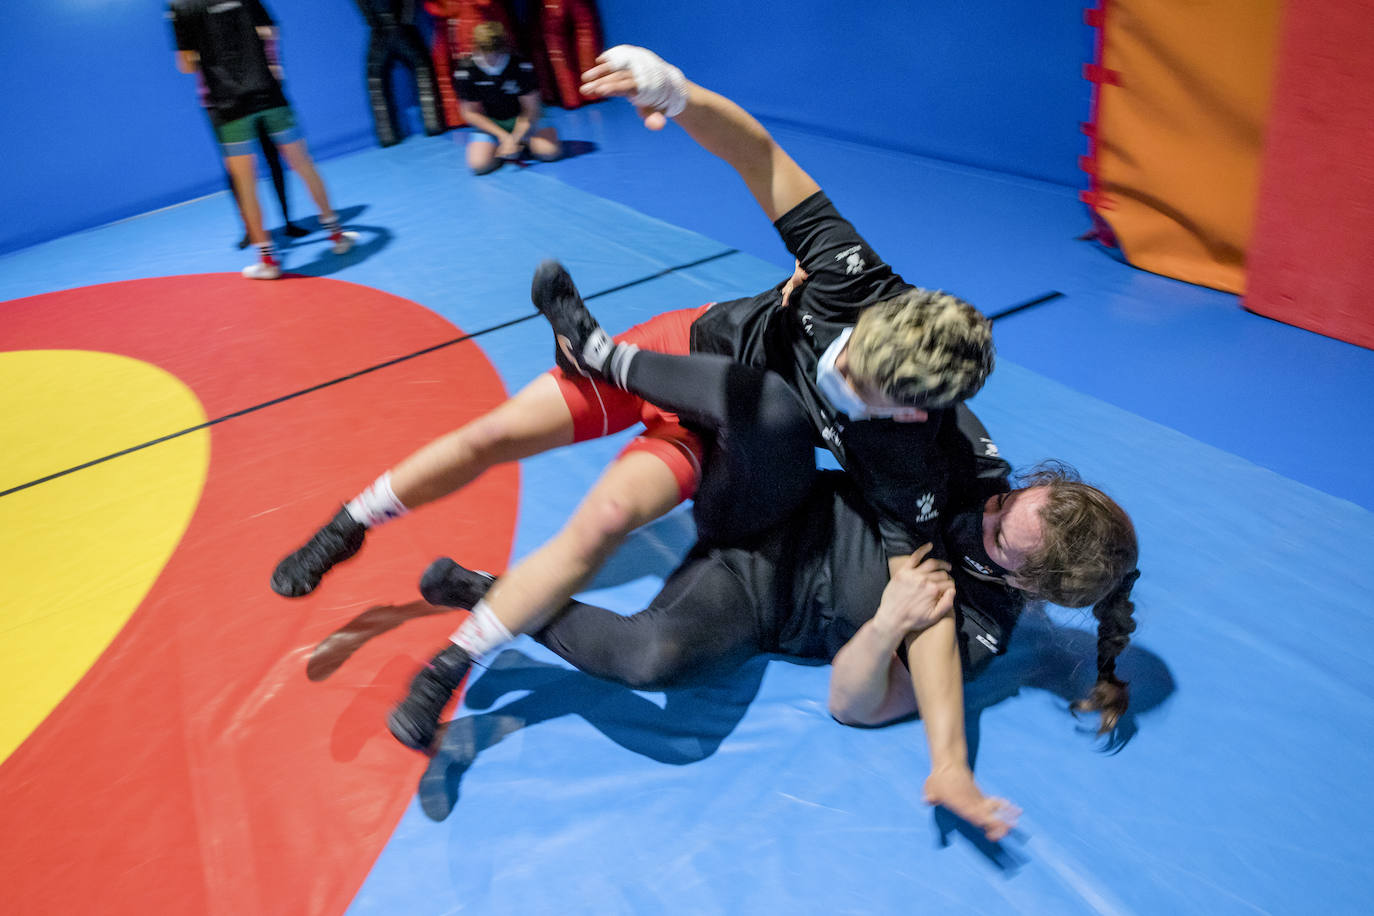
<point x="376" y="504"/>
<point x="660" y="85"/>
<point x="619" y="369"/>
<point x="481" y="633"/>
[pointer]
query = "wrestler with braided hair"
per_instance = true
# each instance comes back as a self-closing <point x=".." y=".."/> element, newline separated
<point x="815" y="583"/>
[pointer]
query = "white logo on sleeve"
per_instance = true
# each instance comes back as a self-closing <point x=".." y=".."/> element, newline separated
<point x="853" y="264"/>
<point x="989" y="447"/>
<point x="925" y="507"/>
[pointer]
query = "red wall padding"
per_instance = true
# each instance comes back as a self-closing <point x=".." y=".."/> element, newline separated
<point x="1311" y="261"/>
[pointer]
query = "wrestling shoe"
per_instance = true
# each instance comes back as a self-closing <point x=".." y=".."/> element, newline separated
<point x="416" y="718"/>
<point x="262" y="270"/>
<point x="447" y="584"/>
<point x="300" y="572"/>
<point x="343" y="242"/>
<point x="584" y="348"/>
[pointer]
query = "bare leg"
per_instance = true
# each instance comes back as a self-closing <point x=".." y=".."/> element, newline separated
<point x="633" y="491"/>
<point x="482" y="157"/>
<point x="535" y="420"/>
<point x="636" y="489"/>
<point x="301" y="163"/>
<point x="544" y="144"/>
<point x="243" y="173"/>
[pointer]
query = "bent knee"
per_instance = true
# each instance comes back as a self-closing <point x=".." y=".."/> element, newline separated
<point x="601" y="523"/>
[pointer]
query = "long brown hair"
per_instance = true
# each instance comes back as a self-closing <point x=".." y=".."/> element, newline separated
<point x="1088" y="555"/>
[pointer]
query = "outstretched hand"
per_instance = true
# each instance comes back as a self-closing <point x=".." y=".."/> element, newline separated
<point x="604" y="82"/>
<point x="657" y="89"/>
<point x="953" y="788"/>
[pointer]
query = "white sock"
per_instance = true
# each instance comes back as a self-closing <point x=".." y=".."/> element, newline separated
<point x="376" y="504"/>
<point x="481" y="634"/>
<point x="618" y="368"/>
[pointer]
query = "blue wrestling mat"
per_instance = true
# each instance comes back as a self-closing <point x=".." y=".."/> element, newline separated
<point x="1239" y="780"/>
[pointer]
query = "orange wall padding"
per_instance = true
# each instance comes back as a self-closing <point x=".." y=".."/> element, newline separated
<point x="1311" y="261"/>
<point x="1182" y="100"/>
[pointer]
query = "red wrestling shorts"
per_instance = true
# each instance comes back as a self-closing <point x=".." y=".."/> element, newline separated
<point x="599" y="408"/>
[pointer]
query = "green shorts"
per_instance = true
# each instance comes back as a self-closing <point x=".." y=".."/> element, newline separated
<point x="239" y="137"/>
<point x="481" y="136"/>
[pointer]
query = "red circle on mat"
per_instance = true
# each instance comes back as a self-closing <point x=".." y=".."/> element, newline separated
<point x="228" y="752"/>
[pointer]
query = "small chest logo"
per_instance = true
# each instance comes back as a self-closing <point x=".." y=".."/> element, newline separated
<point x="925" y="507"/>
<point x="510" y="87"/>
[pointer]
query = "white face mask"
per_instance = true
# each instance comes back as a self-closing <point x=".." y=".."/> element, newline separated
<point x="842" y="396"/>
<point x="491" y="66"/>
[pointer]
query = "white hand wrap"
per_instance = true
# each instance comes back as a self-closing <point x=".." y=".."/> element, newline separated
<point x="660" y="85"/>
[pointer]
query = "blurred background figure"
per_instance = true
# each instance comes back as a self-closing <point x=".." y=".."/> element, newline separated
<point x="499" y="97"/>
<point x="274" y="167"/>
<point x="232" y="46"/>
<point x="572" y="37"/>
<point x="395" y="38"/>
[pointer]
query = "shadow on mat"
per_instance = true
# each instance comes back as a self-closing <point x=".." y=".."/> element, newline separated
<point x="689" y="727"/>
<point x="339" y="646"/>
<point x="1063" y="661"/>
<point x="371" y="241"/>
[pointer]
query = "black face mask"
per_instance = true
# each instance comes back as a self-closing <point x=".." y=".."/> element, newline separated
<point x="964" y="538"/>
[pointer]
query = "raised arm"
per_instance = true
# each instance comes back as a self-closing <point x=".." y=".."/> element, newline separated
<point x="868" y="685"/>
<point x="659" y="90"/>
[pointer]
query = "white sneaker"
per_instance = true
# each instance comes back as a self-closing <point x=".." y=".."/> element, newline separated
<point x="261" y="270"/>
<point x="344" y="242"/>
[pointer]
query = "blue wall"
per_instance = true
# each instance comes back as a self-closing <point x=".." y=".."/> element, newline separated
<point x="99" y="125"/>
<point x="994" y="83"/>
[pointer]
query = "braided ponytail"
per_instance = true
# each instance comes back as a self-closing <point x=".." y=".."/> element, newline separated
<point x="1115" y="624"/>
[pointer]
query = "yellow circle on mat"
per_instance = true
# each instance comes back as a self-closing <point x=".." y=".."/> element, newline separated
<point x="79" y="553"/>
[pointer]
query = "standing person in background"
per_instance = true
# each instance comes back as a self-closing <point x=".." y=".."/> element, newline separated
<point x="499" y="96"/>
<point x="274" y="167"/>
<point x="232" y="45"/>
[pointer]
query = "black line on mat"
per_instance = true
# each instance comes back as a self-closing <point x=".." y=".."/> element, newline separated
<point x="1011" y="310"/>
<point x="352" y="375"/>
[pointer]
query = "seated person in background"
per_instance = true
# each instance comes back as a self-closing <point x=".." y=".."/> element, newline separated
<point x="499" y="97"/>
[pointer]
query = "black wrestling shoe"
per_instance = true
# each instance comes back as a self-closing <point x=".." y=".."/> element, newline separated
<point x="447" y="584"/>
<point x="584" y="348"/>
<point x="300" y="572"/>
<point x="416" y="718"/>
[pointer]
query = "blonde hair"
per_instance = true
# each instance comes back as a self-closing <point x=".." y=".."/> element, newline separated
<point x="490" y="38"/>
<point x="922" y="348"/>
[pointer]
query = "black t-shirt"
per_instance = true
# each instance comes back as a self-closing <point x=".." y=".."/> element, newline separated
<point x="986" y="608"/>
<point x="499" y="95"/>
<point x="899" y="467"/>
<point x="233" y="58"/>
<point x="819" y="577"/>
